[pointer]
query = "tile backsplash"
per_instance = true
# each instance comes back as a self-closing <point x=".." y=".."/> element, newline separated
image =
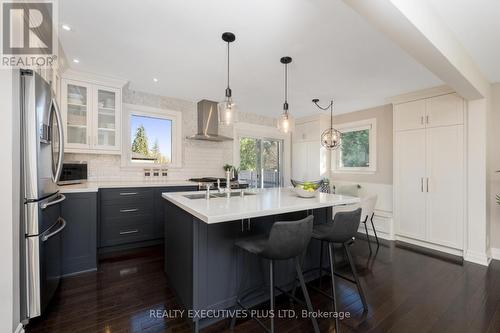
<point x="199" y="158"/>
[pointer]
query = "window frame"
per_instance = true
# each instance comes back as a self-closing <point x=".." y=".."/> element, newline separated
<point x="145" y="111"/>
<point x="371" y="125"/>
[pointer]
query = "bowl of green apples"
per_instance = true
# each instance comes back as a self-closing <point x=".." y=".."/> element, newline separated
<point x="306" y="189"/>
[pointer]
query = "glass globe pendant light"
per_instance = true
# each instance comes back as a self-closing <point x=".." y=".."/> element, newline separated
<point x="286" y="123"/>
<point x="227" y="111"/>
<point x="330" y="138"/>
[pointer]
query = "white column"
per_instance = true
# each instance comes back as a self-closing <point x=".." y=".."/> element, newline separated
<point x="477" y="230"/>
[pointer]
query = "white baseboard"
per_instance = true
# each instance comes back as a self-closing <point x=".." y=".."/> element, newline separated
<point x="19" y="328"/>
<point x="495" y="253"/>
<point x="431" y="246"/>
<point x="477" y="257"/>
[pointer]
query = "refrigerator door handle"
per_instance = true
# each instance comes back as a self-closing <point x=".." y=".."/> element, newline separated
<point x="59" y="199"/>
<point x="45" y="237"/>
<point x="57" y="173"/>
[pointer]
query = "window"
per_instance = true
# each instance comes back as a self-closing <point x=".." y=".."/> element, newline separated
<point x="152" y="137"/>
<point x="357" y="152"/>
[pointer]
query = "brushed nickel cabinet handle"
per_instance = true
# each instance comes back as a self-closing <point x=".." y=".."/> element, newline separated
<point x="129" y="232"/>
<point x="129" y="210"/>
<point x="426" y="119"/>
<point x="128" y="193"/>
<point x="422" y="184"/>
<point x="427" y="187"/>
<point x="421" y="120"/>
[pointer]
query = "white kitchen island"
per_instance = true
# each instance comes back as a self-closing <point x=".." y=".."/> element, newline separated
<point x="203" y="266"/>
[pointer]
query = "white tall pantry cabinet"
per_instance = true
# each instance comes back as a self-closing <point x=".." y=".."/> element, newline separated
<point x="309" y="159"/>
<point x="429" y="171"/>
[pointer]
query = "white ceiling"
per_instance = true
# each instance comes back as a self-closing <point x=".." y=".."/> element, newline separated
<point x="476" y="24"/>
<point x="335" y="52"/>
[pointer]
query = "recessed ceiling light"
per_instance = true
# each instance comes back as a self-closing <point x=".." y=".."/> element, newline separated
<point x="155" y="79"/>
<point x="66" y="27"/>
<point x="76" y="61"/>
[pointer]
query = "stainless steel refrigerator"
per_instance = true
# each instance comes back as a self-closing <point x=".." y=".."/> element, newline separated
<point x="42" y="152"/>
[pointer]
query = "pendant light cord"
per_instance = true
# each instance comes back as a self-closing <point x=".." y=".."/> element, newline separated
<point x="228" y="64"/>
<point x="285" y="105"/>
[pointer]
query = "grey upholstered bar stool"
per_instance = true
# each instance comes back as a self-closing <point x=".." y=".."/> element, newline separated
<point x="342" y="231"/>
<point x="286" y="240"/>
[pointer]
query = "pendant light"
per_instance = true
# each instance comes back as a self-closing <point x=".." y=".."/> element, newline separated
<point x="330" y="138"/>
<point x="286" y="122"/>
<point x="227" y="109"/>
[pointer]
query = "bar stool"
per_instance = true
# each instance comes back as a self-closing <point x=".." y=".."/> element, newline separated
<point x="342" y="231"/>
<point x="286" y="240"/>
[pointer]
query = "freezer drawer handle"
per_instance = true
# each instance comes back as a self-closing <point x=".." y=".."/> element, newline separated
<point x="129" y="232"/>
<point x="59" y="199"/>
<point x="129" y="210"/>
<point x="128" y="193"/>
<point x="58" y="230"/>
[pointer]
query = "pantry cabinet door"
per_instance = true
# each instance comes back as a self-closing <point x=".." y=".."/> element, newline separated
<point x="409" y="175"/>
<point x="445" y="110"/>
<point x="410" y="115"/>
<point x="445" y="185"/>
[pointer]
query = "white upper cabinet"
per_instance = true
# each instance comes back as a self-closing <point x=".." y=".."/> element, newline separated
<point x="444" y="110"/>
<point x="410" y="115"/>
<point x="92" y="115"/>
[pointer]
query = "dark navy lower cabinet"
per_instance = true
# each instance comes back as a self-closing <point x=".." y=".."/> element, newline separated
<point x="132" y="217"/>
<point x="79" y="237"/>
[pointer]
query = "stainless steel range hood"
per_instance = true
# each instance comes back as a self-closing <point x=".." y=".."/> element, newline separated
<point x="208" y="123"/>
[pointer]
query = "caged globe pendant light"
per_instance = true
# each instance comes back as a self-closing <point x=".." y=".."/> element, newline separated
<point x="227" y="109"/>
<point x="330" y="138"/>
<point x="285" y="122"/>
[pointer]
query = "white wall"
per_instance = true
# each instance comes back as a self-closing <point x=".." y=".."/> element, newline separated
<point x="9" y="204"/>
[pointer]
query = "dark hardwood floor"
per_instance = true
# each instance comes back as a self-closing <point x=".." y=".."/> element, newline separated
<point x="406" y="292"/>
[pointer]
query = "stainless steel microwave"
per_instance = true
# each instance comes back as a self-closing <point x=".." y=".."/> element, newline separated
<point x="73" y="173"/>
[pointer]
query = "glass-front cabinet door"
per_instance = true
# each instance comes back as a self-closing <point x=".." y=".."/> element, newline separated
<point x="107" y="120"/>
<point x="92" y="117"/>
<point x="76" y="103"/>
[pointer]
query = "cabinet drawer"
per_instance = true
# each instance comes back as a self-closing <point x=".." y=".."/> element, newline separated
<point x="120" y="195"/>
<point x="126" y="232"/>
<point x="127" y="209"/>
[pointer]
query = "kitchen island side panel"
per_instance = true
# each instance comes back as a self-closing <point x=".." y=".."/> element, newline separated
<point x="179" y="242"/>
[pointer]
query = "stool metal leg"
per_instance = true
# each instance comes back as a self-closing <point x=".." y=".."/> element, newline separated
<point x="331" y="256"/>
<point x="374" y="231"/>
<point x="320" y="263"/>
<point x="271" y="289"/>
<point x="306" y="294"/>
<point x="367" y="236"/>
<point x="356" y="278"/>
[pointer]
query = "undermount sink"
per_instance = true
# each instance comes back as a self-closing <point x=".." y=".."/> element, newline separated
<point x="215" y="195"/>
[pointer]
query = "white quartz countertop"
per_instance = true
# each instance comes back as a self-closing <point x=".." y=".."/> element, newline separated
<point x="95" y="186"/>
<point x="264" y="202"/>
